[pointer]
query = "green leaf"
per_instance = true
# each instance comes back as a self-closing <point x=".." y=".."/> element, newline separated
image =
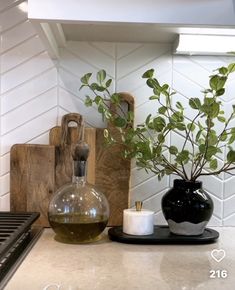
<point x="220" y="92"/>
<point x="94" y="86"/>
<point x="201" y="141"/>
<point x="148" y="74"/>
<point x="165" y="93"/>
<point x="208" y="101"/>
<point x="183" y="156"/>
<point x="179" y="106"/>
<point x="115" y="99"/>
<point x="161" y="138"/>
<point x="153" y="83"/>
<point x="231" y="156"/>
<point x="150" y="125"/>
<point x="180" y="126"/>
<point x="162" y="110"/>
<point x="157" y="150"/>
<point x="213" y="164"/>
<point x="224" y="136"/>
<point x="202" y="148"/>
<point x="148" y="119"/>
<point x="173" y="150"/>
<point x="85" y="78"/>
<point x="223" y="70"/>
<point x="221" y="119"/>
<point x="107" y="115"/>
<point x="211" y="109"/>
<point x="191" y="127"/>
<point x="120" y="122"/>
<point x="217" y="82"/>
<point x="178" y="117"/>
<point x="101" y="109"/>
<point x="159" y="123"/>
<point x="101" y="75"/>
<point x="231" y="139"/>
<point x="165" y="87"/>
<point x="198" y="135"/>
<point x="154" y="97"/>
<point x="88" y="101"/>
<point x="212" y="139"/>
<point x="195" y="103"/>
<point x="98" y="100"/>
<point x="211" y="150"/>
<point x="168" y="171"/>
<point x="231" y="67"/>
<point x="100" y="89"/>
<point x="108" y="83"/>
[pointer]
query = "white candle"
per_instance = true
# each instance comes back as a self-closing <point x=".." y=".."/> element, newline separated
<point x="138" y="222"/>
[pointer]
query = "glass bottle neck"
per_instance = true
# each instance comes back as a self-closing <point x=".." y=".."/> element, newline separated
<point x="79" y="172"/>
<point x="79" y="180"/>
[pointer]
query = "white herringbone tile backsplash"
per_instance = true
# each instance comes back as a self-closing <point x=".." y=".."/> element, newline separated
<point x="36" y="91"/>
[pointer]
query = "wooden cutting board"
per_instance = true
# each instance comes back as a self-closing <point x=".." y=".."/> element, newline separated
<point x="106" y="167"/>
<point x="35" y="175"/>
<point x="64" y="138"/>
<point x="36" y="171"/>
<point x="112" y="172"/>
<point x="32" y="179"/>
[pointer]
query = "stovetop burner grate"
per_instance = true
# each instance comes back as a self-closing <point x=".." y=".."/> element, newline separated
<point x="15" y="235"/>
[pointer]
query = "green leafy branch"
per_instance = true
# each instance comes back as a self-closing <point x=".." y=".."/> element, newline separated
<point x="147" y="142"/>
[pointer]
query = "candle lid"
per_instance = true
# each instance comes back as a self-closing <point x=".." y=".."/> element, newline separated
<point x="133" y="211"/>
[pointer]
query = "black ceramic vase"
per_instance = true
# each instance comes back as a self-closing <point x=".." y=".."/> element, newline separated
<point x="187" y="208"/>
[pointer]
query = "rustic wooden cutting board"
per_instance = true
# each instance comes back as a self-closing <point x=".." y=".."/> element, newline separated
<point x="38" y="170"/>
<point x="32" y="179"/>
<point x="106" y="167"/>
<point x="64" y="138"/>
<point x="112" y="172"/>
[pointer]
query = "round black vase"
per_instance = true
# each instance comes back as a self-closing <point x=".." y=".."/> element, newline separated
<point x="187" y="208"/>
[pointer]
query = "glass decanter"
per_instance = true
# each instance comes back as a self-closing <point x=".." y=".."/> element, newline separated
<point x="78" y="212"/>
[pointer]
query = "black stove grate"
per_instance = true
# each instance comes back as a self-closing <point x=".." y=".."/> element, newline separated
<point x="15" y="235"/>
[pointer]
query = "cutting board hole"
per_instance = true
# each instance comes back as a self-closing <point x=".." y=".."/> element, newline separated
<point x="124" y="108"/>
<point x="72" y="124"/>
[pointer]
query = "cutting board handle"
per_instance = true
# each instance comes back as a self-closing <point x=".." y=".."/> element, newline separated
<point x="71" y="117"/>
<point x="126" y="98"/>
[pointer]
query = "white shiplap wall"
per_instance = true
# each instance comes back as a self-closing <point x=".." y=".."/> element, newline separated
<point x="29" y="99"/>
<point x="35" y="92"/>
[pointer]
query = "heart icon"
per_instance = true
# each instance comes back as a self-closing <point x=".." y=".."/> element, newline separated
<point x="218" y="255"/>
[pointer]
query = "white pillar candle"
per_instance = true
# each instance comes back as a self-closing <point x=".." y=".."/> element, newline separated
<point x="138" y="222"/>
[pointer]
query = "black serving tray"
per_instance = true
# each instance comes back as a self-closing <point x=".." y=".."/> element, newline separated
<point x="162" y="235"/>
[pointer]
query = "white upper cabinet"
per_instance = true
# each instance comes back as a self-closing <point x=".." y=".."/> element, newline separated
<point x="187" y="12"/>
<point x="58" y="21"/>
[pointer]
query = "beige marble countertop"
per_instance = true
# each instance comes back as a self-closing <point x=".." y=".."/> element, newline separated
<point x="51" y="265"/>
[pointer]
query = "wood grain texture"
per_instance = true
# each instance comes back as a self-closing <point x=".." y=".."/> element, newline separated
<point x="63" y="159"/>
<point x="112" y="177"/>
<point x="32" y="179"/>
<point x="63" y="138"/>
<point x="113" y="171"/>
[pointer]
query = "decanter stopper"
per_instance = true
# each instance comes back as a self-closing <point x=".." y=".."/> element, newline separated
<point x="80" y="154"/>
